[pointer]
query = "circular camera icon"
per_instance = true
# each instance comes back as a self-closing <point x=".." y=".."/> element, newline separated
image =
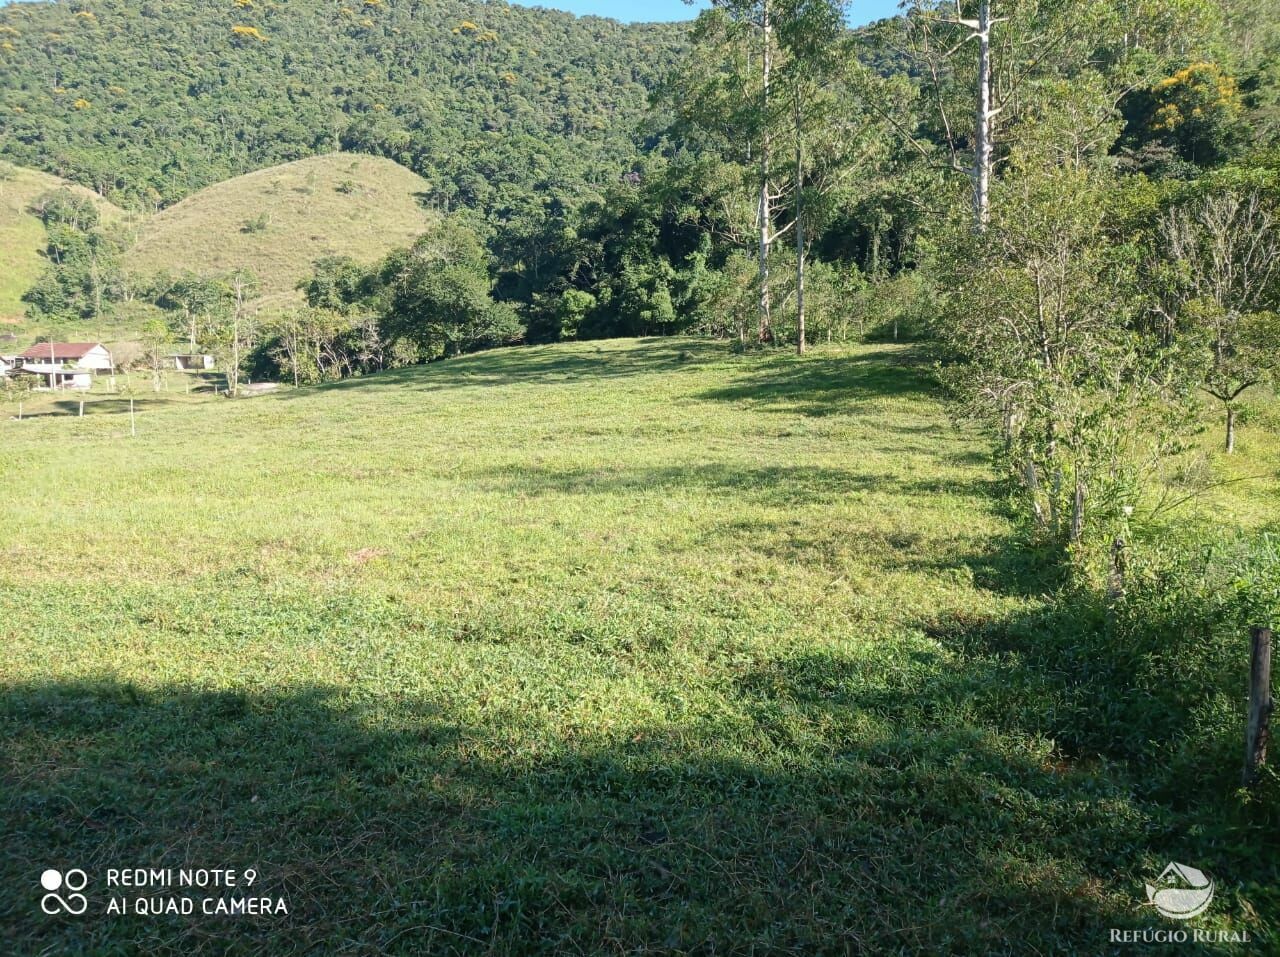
<point x="72" y="881"/>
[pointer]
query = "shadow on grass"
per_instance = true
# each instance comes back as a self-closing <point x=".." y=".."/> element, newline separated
<point x="772" y="485"/>
<point x="819" y="387"/>
<point x="838" y="821"/>
<point x="536" y="365"/>
<point x="96" y="405"/>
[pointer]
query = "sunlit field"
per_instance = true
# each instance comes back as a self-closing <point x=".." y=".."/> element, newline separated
<point x="638" y="647"/>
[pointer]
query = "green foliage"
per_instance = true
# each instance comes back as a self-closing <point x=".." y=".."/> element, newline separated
<point x="1155" y="675"/>
<point x="640" y="262"/>
<point x="83" y="260"/>
<point x="258" y="224"/>
<point x="1041" y="308"/>
<point x="1197" y="114"/>
<point x="1218" y="286"/>
<point x="432" y="300"/>
<point x="437" y="296"/>
<point x="337" y="284"/>
<point x="530" y="102"/>
<point x="24" y="237"/>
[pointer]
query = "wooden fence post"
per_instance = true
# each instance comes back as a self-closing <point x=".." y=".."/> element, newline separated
<point x="1261" y="704"/>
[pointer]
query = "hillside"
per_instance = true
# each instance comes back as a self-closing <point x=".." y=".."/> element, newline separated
<point x="634" y="647"/>
<point x="486" y="100"/>
<point x="277" y="222"/>
<point x="22" y="235"/>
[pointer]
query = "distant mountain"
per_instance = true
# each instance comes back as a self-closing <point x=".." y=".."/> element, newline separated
<point x="499" y="107"/>
<point x="278" y="221"/>
<point x="22" y="234"/>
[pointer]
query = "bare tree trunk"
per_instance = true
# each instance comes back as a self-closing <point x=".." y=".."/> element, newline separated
<point x="96" y="281"/>
<point x="1077" y="513"/>
<point x="800" y="332"/>
<point x="1033" y="490"/>
<point x="1261" y="704"/>
<point x="982" y="152"/>
<point x="1231" y="429"/>
<point x="765" y="211"/>
<point x="233" y="374"/>
<point x="1118" y="570"/>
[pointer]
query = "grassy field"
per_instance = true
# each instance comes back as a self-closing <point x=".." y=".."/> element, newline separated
<point x="22" y="236"/>
<point x="639" y="647"/>
<point x="341" y="204"/>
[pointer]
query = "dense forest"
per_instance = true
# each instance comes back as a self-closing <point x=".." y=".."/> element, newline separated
<point x="495" y="105"/>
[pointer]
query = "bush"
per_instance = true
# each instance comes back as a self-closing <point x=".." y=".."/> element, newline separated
<point x="1156" y="678"/>
<point x="256" y="225"/>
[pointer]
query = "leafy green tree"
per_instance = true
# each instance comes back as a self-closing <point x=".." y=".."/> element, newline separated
<point x="83" y="260"/>
<point x="1198" y="114"/>
<point x="1042" y="318"/>
<point x="1076" y="57"/>
<point x="191" y="299"/>
<point x="232" y="325"/>
<point x="437" y="295"/>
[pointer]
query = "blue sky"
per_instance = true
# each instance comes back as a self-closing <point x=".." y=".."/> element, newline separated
<point x="863" y="11"/>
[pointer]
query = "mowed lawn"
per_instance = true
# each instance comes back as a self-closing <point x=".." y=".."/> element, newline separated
<point x="637" y="647"/>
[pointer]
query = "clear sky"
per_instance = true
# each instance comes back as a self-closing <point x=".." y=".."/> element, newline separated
<point x="862" y="11"/>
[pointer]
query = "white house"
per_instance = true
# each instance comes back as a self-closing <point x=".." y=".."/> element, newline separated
<point x="57" y="376"/>
<point x="7" y="365"/>
<point x="80" y="356"/>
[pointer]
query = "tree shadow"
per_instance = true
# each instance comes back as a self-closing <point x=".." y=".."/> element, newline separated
<point x="96" y="405"/>
<point x="821" y="387"/>
<point x="407" y="825"/>
<point x="537" y="365"/>
<point x="780" y="485"/>
<point x="764" y="484"/>
<point x="1007" y="566"/>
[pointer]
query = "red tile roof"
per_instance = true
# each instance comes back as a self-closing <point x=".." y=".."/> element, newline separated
<point x="60" y="351"/>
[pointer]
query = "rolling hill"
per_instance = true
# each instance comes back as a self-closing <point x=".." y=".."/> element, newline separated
<point x="22" y="236"/>
<point x="277" y="222"/>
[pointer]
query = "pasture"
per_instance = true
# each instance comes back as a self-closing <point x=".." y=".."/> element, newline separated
<point x="631" y="647"/>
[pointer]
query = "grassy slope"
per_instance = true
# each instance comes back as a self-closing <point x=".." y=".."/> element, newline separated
<point x="309" y="218"/>
<point x="582" y="649"/>
<point x="22" y="235"/>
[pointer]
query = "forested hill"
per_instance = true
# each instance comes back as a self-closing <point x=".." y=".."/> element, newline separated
<point x="148" y="101"/>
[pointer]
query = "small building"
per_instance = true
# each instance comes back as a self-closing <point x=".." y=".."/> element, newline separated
<point x="259" y="388"/>
<point x="192" y="361"/>
<point x="7" y="365"/>
<point x="81" y="356"/>
<point x="55" y="376"/>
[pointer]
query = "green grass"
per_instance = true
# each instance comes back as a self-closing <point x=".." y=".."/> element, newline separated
<point x="638" y="647"/>
<point x="22" y="236"/>
<point x="341" y="204"/>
